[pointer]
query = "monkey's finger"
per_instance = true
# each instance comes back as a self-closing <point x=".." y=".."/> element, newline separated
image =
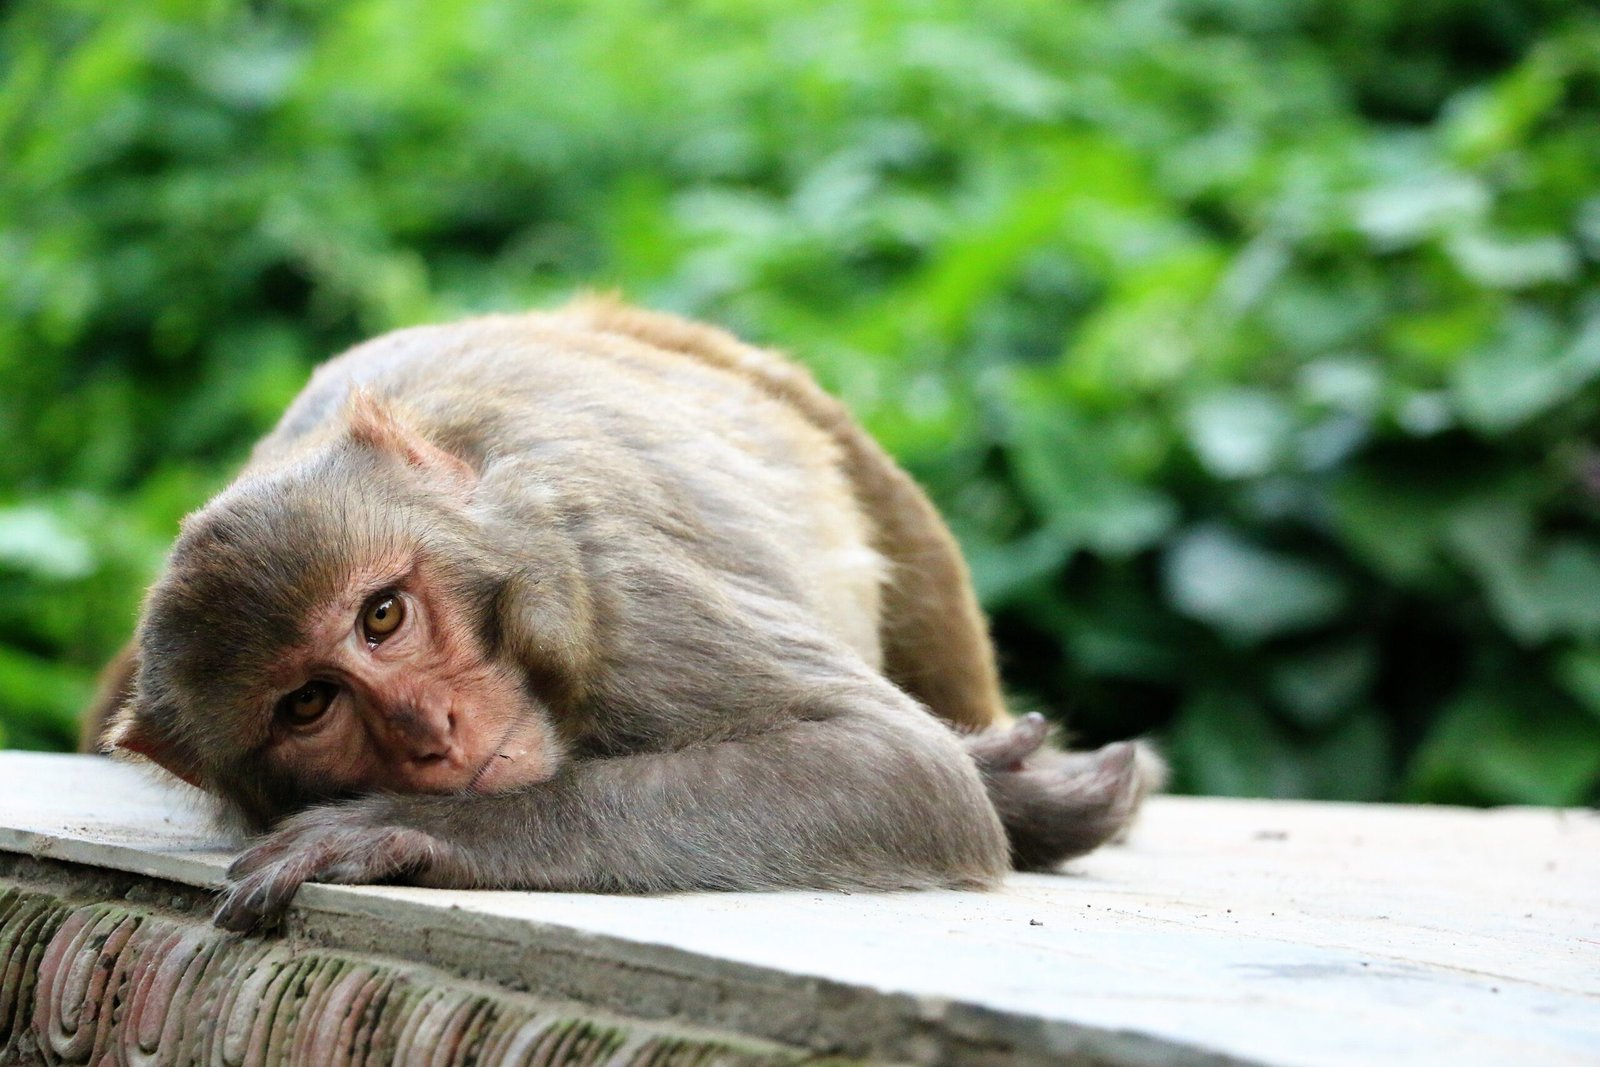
<point x="310" y="842"/>
<point x="262" y="855"/>
<point x="359" y="863"/>
<point x="259" y="897"/>
<point x="999" y="750"/>
<point x="260" y="900"/>
<point x="373" y="857"/>
<point x="246" y="904"/>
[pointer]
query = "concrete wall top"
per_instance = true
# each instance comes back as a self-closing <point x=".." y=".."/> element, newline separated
<point x="1224" y="931"/>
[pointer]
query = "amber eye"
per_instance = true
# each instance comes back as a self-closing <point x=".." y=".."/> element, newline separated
<point x="306" y="704"/>
<point x="383" y="615"/>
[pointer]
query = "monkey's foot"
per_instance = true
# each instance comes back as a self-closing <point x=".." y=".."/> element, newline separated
<point x="1056" y="805"/>
<point x="1003" y="750"/>
<point x="337" y="843"/>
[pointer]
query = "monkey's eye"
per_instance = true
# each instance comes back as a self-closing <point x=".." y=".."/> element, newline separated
<point x="305" y="705"/>
<point x="382" y="616"/>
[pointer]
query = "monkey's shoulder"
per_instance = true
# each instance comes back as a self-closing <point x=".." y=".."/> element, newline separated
<point x="594" y="367"/>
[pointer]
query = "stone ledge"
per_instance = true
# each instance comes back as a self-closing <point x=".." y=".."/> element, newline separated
<point x="155" y="983"/>
<point x="1225" y="932"/>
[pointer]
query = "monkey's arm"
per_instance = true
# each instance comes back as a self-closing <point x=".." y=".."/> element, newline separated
<point x="879" y="795"/>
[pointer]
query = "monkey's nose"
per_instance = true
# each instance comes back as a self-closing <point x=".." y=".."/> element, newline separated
<point x="424" y="740"/>
<point x="429" y="760"/>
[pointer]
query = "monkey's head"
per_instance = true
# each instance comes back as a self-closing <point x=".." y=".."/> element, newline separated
<point x="331" y="627"/>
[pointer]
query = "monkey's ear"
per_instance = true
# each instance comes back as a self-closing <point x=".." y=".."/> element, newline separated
<point x="129" y="732"/>
<point x="374" y="424"/>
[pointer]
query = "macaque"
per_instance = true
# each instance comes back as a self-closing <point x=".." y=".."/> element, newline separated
<point x="593" y="600"/>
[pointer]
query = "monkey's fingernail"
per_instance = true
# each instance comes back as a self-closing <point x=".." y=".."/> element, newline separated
<point x="243" y="867"/>
<point x="229" y="916"/>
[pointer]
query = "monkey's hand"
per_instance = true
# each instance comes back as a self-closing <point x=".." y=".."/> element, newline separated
<point x="353" y="842"/>
<point x="875" y="795"/>
<point x="1056" y="805"/>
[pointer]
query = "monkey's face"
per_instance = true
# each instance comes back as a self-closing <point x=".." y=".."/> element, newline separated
<point x="392" y="689"/>
<point x="331" y="628"/>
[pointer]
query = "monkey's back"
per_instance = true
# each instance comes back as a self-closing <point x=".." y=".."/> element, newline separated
<point x="631" y="434"/>
<point x="934" y="637"/>
<point x="683" y="424"/>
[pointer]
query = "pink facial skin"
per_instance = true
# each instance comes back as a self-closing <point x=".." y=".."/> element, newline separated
<point x="418" y="709"/>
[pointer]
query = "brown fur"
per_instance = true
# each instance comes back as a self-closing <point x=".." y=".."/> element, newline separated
<point x="935" y="641"/>
<point x="728" y="604"/>
<point x="113" y="690"/>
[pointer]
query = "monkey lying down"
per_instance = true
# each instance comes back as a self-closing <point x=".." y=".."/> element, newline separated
<point x="593" y="600"/>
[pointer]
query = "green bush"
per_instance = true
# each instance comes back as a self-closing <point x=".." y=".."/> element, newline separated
<point x="1250" y="345"/>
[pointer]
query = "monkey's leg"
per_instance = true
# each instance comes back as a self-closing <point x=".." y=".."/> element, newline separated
<point x="875" y="794"/>
<point x="935" y="640"/>
<point x="1056" y="805"/>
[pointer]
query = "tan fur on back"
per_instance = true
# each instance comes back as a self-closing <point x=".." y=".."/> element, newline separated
<point x="936" y="642"/>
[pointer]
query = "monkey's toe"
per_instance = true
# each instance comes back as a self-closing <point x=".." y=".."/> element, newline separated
<point x="1066" y="804"/>
<point x="1004" y="749"/>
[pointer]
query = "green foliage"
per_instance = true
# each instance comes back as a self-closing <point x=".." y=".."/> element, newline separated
<point x="1252" y="347"/>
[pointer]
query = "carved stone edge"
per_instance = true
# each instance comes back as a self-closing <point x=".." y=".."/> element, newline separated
<point x="89" y="975"/>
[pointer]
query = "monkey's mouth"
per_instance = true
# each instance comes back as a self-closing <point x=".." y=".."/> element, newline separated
<point x="519" y="758"/>
<point x="475" y="784"/>
<point x="501" y="759"/>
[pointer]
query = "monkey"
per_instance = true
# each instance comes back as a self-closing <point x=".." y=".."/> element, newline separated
<point x="593" y="599"/>
<point x="113" y="689"/>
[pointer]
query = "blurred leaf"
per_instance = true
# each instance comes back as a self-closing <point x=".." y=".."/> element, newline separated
<point x="1316" y="687"/>
<point x="1406" y="212"/>
<point x="35" y="539"/>
<point x="1248" y="592"/>
<point x="1310" y="315"/>
<point x="1538" y="589"/>
<point x="1327" y="444"/>
<point x="1484" y="121"/>
<point x="1153" y="331"/>
<point x="1395" y="518"/>
<point x="1225" y="745"/>
<point x="1066" y="469"/>
<point x="1350" y="384"/>
<point x="1578" y="670"/>
<point x="1353" y="761"/>
<point x="1002" y="572"/>
<point x="1126" y="644"/>
<point x="1502" y="263"/>
<point x="1508" y="743"/>
<point x="1525" y="371"/>
<point x="1239" y="433"/>
<point x="42" y="696"/>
